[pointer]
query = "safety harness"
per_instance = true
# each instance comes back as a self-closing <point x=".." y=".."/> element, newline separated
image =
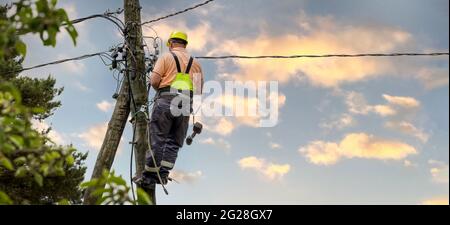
<point x="183" y="81"/>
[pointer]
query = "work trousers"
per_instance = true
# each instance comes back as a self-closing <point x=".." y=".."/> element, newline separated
<point x="167" y="135"/>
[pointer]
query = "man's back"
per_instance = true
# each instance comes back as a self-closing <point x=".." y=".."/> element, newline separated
<point x="165" y="69"/>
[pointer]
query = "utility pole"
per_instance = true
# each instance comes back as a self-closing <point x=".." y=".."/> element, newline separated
<point x="138" y="79"/>
<point x="138" y="82"/>
<point x="135" y="70"/>
<point x="112" y="138"/>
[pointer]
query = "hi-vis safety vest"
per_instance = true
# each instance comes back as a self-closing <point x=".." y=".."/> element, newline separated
<point x="182" y="80"/>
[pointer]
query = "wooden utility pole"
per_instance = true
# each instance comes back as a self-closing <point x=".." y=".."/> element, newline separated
<point x="138" y="79"/>
<point x="112" y="138"/>
<point x="135" y="70"/>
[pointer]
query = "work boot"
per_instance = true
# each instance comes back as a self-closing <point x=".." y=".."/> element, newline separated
<point x="144" y="183"/>
<point x="154" y="176"/>
<point x="164" y="180"/>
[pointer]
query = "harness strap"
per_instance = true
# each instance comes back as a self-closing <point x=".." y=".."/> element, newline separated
<point x="177" y="62"/>
<point x="188" y="68"/>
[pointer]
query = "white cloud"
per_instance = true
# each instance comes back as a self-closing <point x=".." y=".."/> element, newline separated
<point x="95" y="135"/>
<point x="396" y="105"/>
<point x="105" y="106"/>
<point x="274" y="145"/>
<point x="439" y="171"/>
<point x="356" y="145"/>
<point x="53" y="135"/>
<point x="234" y="103"/>
<point x="268" y="170"/>
<point x="433" y="78"/>
<point x="384" y="110"/>
<point x="324" y="35"/>
<point x="322" y="153"/>
<point x="344" y="121"/>
<point x="185" y="177"/>
<point x="223" y="127"/>
<point x="221" y="143"/>
<point x="357" y="104"/>
<point x="406" y="102"/>
<point x="409" y="129"/>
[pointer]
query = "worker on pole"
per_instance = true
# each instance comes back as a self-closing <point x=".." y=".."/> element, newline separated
<point x="176" y="77"/>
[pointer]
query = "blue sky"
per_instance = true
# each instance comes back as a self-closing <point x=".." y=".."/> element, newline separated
<point x="351" y="131"/>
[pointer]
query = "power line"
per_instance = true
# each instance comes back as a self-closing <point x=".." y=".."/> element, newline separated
<point x="321" y="56"/>
<point x="110" y="16"/>
<point x="59" y="62"/>
<point x="248" y="57"/>
<point x="106" y="14"/>
<point x="177" y="13"/>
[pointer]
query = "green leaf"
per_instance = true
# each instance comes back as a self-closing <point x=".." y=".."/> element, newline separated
<point x="8" y="148"/>
<point x="37" y="110"/>
<point x="39" y="179"/>
<point x="99" y="192"/>
<point x="45" y="169"/>
<point x="73" y="33"/>
<point x="55" y="155"/>
<point x="101" y="200"/>
<point x="21" y="172"/>
<point x="17" y="140"/>
<point x="70" y="160"/>
<point x="21" y="48"/>
<point x="20" y="160"/>
<point x="118" y="180"/>
<point x="4" y="199"/>
<point x="143" y="198"/>
<point x="41" y="5"/>
<point x="6" y="163"/>
<point x="90" y="183"/>
<point x="64" y="202"/>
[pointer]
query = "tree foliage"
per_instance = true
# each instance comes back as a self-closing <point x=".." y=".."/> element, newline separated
<point x="24" y="153"/>
<point x="35" y="92"/>
<point x="36" y="17"/>
<point x="32" y="171"/>
<point x="113" y="190"/>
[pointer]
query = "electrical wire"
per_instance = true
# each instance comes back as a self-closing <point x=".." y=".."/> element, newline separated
<point x="177" y="13"/>
<point x="104" y="62"/>
<point x="151" y="28"/>
<point x="130" y="92"/>
<point x="245" y="57"/>
<point x="57" y="62"/>
<point x="322" y="56"/>
<point x="107" y="15"/>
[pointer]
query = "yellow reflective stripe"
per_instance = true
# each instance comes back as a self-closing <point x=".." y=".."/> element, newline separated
<point x="167" y="164"/>
<point x="151" y="169"/>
